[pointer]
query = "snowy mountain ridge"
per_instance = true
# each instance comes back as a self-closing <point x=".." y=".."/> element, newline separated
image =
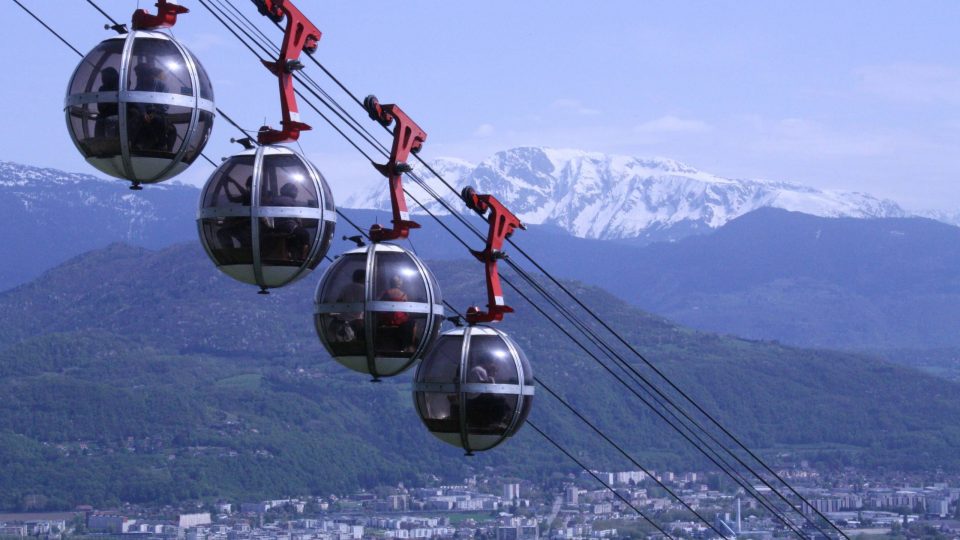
<point x="595" y="195"/>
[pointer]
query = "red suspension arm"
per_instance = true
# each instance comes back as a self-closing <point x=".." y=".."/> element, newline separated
<point x="407" y="138"/>
<point x="300" y="35"/>
<point x="502" y="225"/>
<point x="166" y="16"/>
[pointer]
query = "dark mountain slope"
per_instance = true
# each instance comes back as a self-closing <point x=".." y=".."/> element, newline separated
<point x="147" y="376"/>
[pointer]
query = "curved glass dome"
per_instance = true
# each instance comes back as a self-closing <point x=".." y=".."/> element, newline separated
<point x="140" y="107"/>
<point x="378" y="309"/>
<point x="474" y="388"/>
<point x="266" y="217"/>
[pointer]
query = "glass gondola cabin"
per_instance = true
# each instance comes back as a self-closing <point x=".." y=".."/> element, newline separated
<point x="266" y="217"/>
<point x="140" y="107"/>
<point x="474" y="388"/>
<point x="378" y="309"/>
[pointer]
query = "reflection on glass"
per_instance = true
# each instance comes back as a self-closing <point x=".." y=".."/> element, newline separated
<point x="398" y="279"/>
<point x="490" y="361"/>
<point x="286" y="182"/>
<point x="151" y="70"/>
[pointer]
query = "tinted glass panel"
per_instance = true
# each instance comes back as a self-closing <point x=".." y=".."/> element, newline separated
<point x="524" y="363"/>
<point x="435" y="285"/>
<point x="97" y="135"/>
<point x="344" y="281"/>
<point x="490" y="414"/>
<point x="344" y="333"/>
<point x="199" y="137"/>
<point x="157" y="66"/>
<point x="397" y="334"/>
<point x="206" y="90"/>
<point x="442" y="363"/>
<point x="100" y="70"/>
<point x="326" y="235"/>
<point x="439" y="412"/>
<point x="524" y="412"/>
<point x="489" y="361"/>
<point x="286" y="182"/>
<point x="286" y="241"/>
<point x="327" y="194"/>
<point x="156" y="130"/>
<point x="434" y="330"/>
<point x="230" y="184"/>
<point x="229" y="239"/>
<point x="397" y="278"/>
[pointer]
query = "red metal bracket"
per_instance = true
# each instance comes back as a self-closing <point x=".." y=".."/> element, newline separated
<point x="502" y="224"/>
<point x="165" y="18"/>
<point x="407" y="138"/>
<point x="300" y="35"/>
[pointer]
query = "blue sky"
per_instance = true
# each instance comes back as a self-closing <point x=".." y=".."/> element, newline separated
<point x="848" y="95"/>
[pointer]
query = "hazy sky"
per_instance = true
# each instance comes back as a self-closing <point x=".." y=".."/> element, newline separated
<point x="849" y="95"/>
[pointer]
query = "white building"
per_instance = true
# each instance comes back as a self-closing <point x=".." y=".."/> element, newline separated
<point x="192" y="520"/>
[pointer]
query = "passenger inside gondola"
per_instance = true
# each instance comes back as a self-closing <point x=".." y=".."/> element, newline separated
<point x="235" y="231"/>
<point x="486" y="412"/>
<point x="396" y="326"/>
<point x="107" y="112"/>
<point x="285" y="238"/>
<point x="147" y="122"/>
<point x="348" y="327"/>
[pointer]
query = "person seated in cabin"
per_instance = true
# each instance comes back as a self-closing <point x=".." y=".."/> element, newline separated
<point x="349" y="326"/>
<point x="107" y="111"/>
<point x="285" y="235"/>
<point x="397" y="321"/>
<point x="486" y="412"/>
<point x="147" y="122"/>
<point x="235" y="231"/>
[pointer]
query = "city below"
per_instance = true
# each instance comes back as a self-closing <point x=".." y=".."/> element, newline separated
<point x="487" y="506"/>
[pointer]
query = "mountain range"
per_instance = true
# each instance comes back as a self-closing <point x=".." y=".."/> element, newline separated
<point x="875" y="284"/>
<point x="144" y="375"/>
<point x="608" y="197"/>
<point x="49" y="216"/>
<point x="148" y="376"/>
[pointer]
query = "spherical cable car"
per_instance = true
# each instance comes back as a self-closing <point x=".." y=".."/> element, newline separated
<point x="140" y="107"/>
<point x="378" y="309"/>
<point x="266" y="217"/>
<point x="474" y="388"/>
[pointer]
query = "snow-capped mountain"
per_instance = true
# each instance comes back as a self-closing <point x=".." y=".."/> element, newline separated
<point x="594" y="195"/>
<point x="49" y="215"/>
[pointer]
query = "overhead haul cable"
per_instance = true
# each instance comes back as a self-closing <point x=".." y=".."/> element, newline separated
<point x="359" y="229"/>
<point x="454" y="213"/>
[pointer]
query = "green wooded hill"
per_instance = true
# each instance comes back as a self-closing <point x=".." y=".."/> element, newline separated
<point x="142" y="376"/>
